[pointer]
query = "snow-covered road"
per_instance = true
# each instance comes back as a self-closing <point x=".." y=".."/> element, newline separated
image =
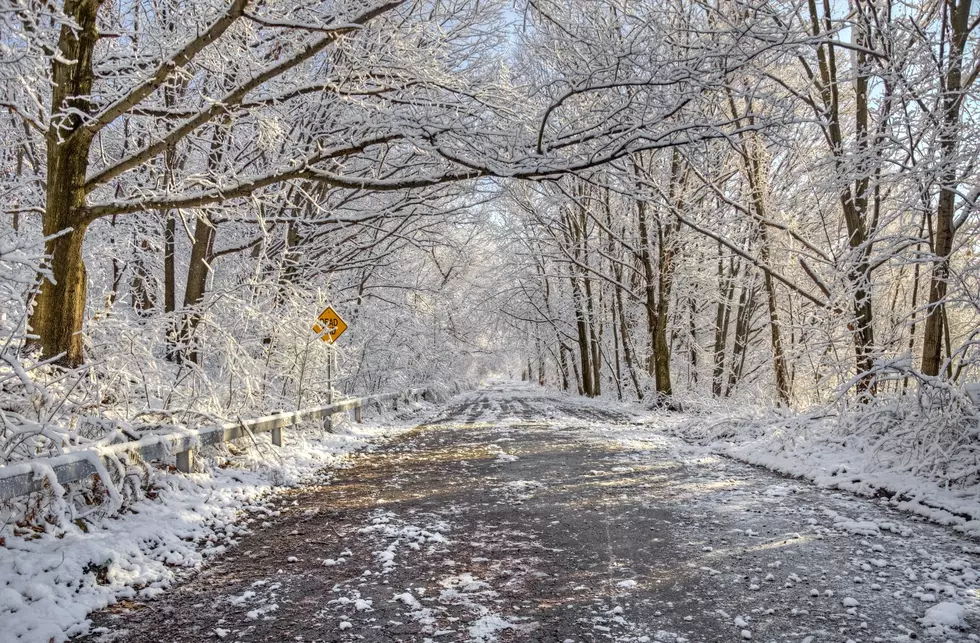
<point x="520" y="515"/>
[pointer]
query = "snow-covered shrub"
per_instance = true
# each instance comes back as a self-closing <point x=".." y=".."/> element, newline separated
<point x="24" y="429"/>
<point x="46" y="409"/>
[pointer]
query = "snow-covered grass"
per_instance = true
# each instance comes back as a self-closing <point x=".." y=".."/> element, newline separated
<point x="54" y="574"/>
<point x="921" y="454"/>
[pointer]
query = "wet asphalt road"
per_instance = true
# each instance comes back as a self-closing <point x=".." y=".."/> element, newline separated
<point x="517" y="515"/>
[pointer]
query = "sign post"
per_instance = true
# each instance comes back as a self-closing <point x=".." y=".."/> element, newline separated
<point x="329" y="326"/>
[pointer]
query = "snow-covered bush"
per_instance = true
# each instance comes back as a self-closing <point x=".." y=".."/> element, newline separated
<point x="24" y="428"/>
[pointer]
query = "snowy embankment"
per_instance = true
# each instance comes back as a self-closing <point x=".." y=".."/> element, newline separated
<point x="52" y="578"/>
<point x="926" y="465"/>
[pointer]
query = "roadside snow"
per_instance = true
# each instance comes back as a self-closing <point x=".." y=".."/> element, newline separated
<point x="52" y="579"/>
<point x="912" y="471"/>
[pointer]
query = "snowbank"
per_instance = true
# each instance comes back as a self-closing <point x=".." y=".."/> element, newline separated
<point x="923" y="462"/>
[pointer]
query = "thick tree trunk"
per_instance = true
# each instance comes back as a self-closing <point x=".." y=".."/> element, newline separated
<point x="665" y="281"/>
<point x="575" y="234"/>
<point x="59" y="311"/>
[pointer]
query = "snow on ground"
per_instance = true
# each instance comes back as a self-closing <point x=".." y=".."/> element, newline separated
<point x="442" y="601"/>
<point x="51" y="580"/>
<point x="911" y="468"/>
<point x="894" y="561"/>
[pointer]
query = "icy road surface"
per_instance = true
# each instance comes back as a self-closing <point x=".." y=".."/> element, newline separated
<point x="519" y="515"/>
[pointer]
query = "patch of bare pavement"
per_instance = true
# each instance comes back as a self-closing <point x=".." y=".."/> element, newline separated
<point x="519" y="515"/>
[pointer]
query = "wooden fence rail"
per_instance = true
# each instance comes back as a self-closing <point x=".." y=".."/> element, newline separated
<point x="23" y="478"/>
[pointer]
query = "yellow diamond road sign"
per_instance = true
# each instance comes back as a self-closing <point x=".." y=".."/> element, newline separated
<point x="329" y="326"/>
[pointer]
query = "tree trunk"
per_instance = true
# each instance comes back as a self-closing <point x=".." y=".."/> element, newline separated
<point x="563" y="365"/>
<point x="584" y="344"/>
<point x="616" y="349"/>
<point x="143" y="287"/>
<point x="657" y="343"/>
<point x="726" y="287"/>
<point x="628" y="354"/>
<point x="541" y="366"/>
<point x="932" y="346"/>
<point x="755" y="174"/>
<point x="594" y="340"/>
<point x="692" y="351"/>
<point x="743" y="324"/>
<point x="853" y="198"/>
<point x="200" y="265"/>
<point x="665" y="283"/>
<point x="619" y="312"/>
<point x="59" y="312"/>
<point x="197" y="276"/>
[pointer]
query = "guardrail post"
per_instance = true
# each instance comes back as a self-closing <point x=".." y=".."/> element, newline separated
<point x="277" y="436"/>
<point x="185" y="461"/>
<point x="328" y="422"/>
<point x="358" y="417"/>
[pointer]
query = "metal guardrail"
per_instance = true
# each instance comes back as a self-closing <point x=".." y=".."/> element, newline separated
<point x="28" y="477"/>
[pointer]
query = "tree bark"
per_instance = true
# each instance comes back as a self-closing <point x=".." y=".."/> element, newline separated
<point x="932" y="346"/>
<point x="743" y="325"/>
<point x="658" y="340"/>
<point x="755" y="175"/>
<point x="853" y="199"/>
<point x="59" y="311"/>
<point x="726" y="287"/>
<point x="197" y="275"/>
